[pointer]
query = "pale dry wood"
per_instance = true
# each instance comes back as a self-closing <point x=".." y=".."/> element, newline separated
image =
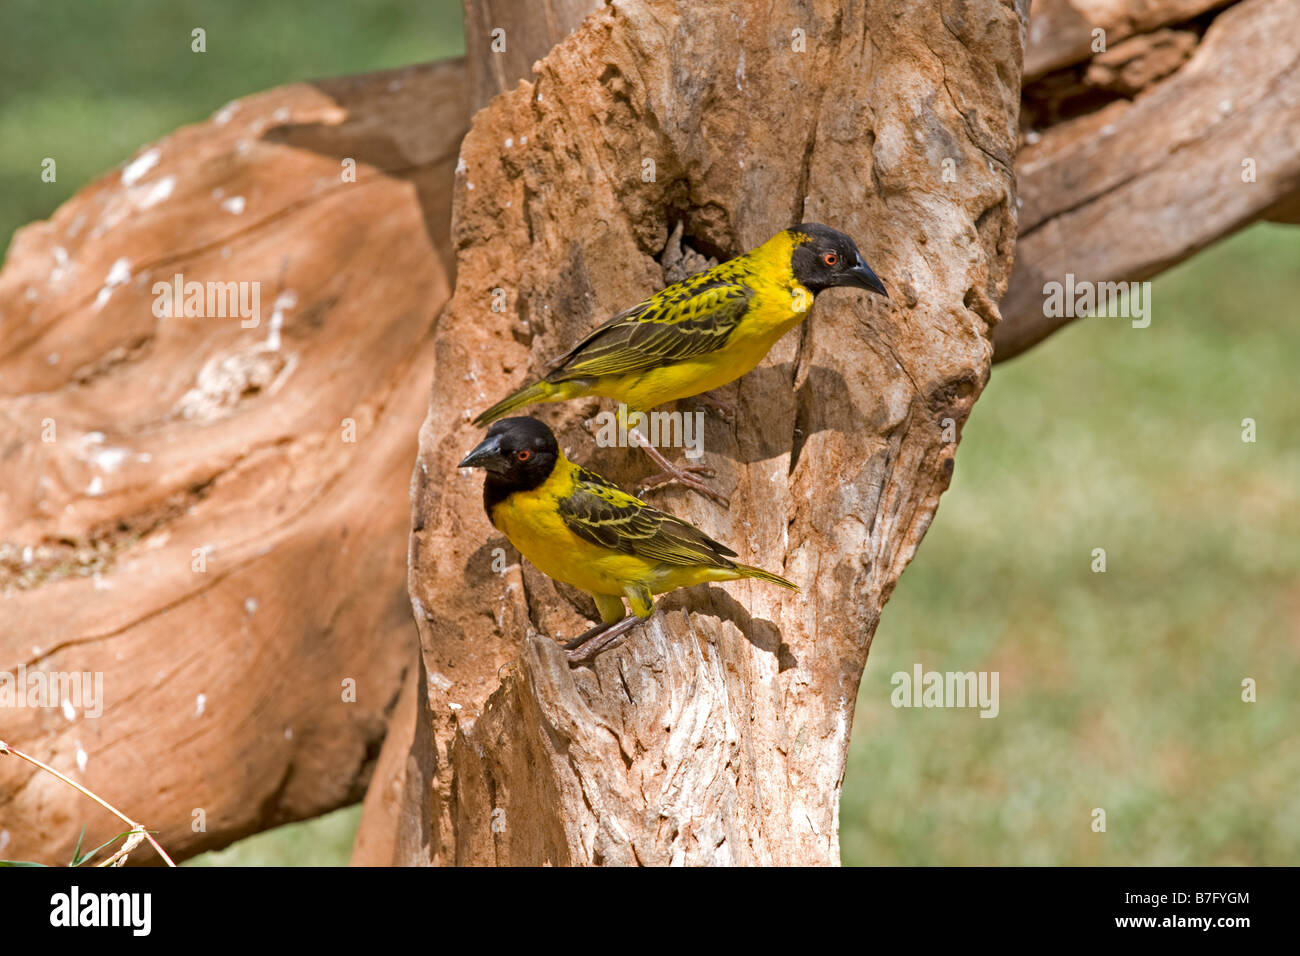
<point x="224" y="689"/>
<point x="394" y="827"/>
<point x="1125" y="192"/>
<point x="504" y="38"/>
<point x="1130" y="67"/>
<point x="134" y="837"/>
<point x="718" y="732"/>
<point x="1061" y="32"/>
<point x="218" y="476"/>
<point x="378" y="838"/>
<point x="1059" y="37"/>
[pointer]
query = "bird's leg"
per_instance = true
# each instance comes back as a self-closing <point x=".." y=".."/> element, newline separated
<point x="599" y="639"/>
<point x="682" y="474"/>
<point x="725" y="409"/>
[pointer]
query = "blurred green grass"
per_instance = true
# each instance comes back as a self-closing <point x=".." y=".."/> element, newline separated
<point x="324" y="841"/>
<point x="89" y="83"/>
<point x="1118" y="690"/>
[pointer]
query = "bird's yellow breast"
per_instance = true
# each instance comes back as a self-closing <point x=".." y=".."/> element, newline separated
<point x="532" y="522"/>
<point x="778" y="303"/>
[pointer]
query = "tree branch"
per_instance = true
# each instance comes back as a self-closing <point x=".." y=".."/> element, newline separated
<point x="1124" y="192"/>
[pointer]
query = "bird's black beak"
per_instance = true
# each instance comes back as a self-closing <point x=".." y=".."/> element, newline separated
<point x="487" y="456"/>
<point x="861" y="277"/>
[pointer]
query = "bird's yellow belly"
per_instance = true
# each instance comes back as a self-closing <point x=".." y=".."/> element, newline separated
<point x="541" y="536"/>
<point x="745" y="349"/>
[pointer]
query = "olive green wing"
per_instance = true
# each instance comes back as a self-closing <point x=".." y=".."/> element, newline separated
<point x="601" y="513"/>
<point x="692" y="317"/>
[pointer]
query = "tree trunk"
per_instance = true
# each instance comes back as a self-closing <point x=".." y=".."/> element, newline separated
<point x="718" y="733"/>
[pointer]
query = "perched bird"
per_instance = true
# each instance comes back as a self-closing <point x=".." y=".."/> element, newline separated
<point x="583" y="530"/>
<point x="700" y="333"/>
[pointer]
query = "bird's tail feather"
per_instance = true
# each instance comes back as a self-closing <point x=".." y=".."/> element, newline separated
<point x="751" y="572"/>
<point x="537" y="392"/>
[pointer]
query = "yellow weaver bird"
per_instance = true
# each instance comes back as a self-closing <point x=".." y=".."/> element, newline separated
<point x="579" y="528"/>
<point x="700" y="333"/>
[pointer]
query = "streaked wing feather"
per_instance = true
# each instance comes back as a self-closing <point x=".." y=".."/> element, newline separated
<point x="690" y="318"/>
<point x="601" y="513"/>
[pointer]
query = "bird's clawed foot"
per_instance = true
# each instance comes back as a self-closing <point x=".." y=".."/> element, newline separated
<point x="688" y="476"/>
<point x="684" y="475"/>
<point x="599" y="639"/>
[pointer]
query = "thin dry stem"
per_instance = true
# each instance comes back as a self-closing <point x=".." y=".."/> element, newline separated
<point x="135" y="827"/>
<point x="133" y="840"/>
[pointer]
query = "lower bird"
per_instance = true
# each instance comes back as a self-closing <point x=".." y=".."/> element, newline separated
<point x="700" y="333"/>
<point x="583" y="530"/>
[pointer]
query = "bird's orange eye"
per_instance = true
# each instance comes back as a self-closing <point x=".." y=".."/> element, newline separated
<point x="524" y="455"/>
<point x="830" y="258"/>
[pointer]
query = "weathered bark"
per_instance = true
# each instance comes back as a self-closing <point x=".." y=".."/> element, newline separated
<point x="1062" y="32"/>
<point x="1129" y="188"/>
<point x="107" y="586"/>
<point x="379" y="835"/>
<point x="503" y="38"/>
<point x="1060" y="38"/>
<point x="224" y="687"/>
<point x="394" y="829"/>
<point x="719" y="732"/>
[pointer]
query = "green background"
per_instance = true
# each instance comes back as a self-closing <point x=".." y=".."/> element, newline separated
<point x="1119" y="691"/>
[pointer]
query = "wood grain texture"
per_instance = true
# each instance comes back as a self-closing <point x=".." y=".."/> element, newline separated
<point x="223" y="687"/>
<point x="504" y="38"/>
<point x="1061" y="32"/>
<point x="1124" y="192"/>
<point x="718" y="733"/>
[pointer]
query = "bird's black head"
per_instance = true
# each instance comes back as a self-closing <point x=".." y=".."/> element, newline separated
<point x="824" y="258"/>
<point x="518" y="454"/>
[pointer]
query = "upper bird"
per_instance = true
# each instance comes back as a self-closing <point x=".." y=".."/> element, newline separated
<point x="583" y="530"/>
<point x="702" y="332"/>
